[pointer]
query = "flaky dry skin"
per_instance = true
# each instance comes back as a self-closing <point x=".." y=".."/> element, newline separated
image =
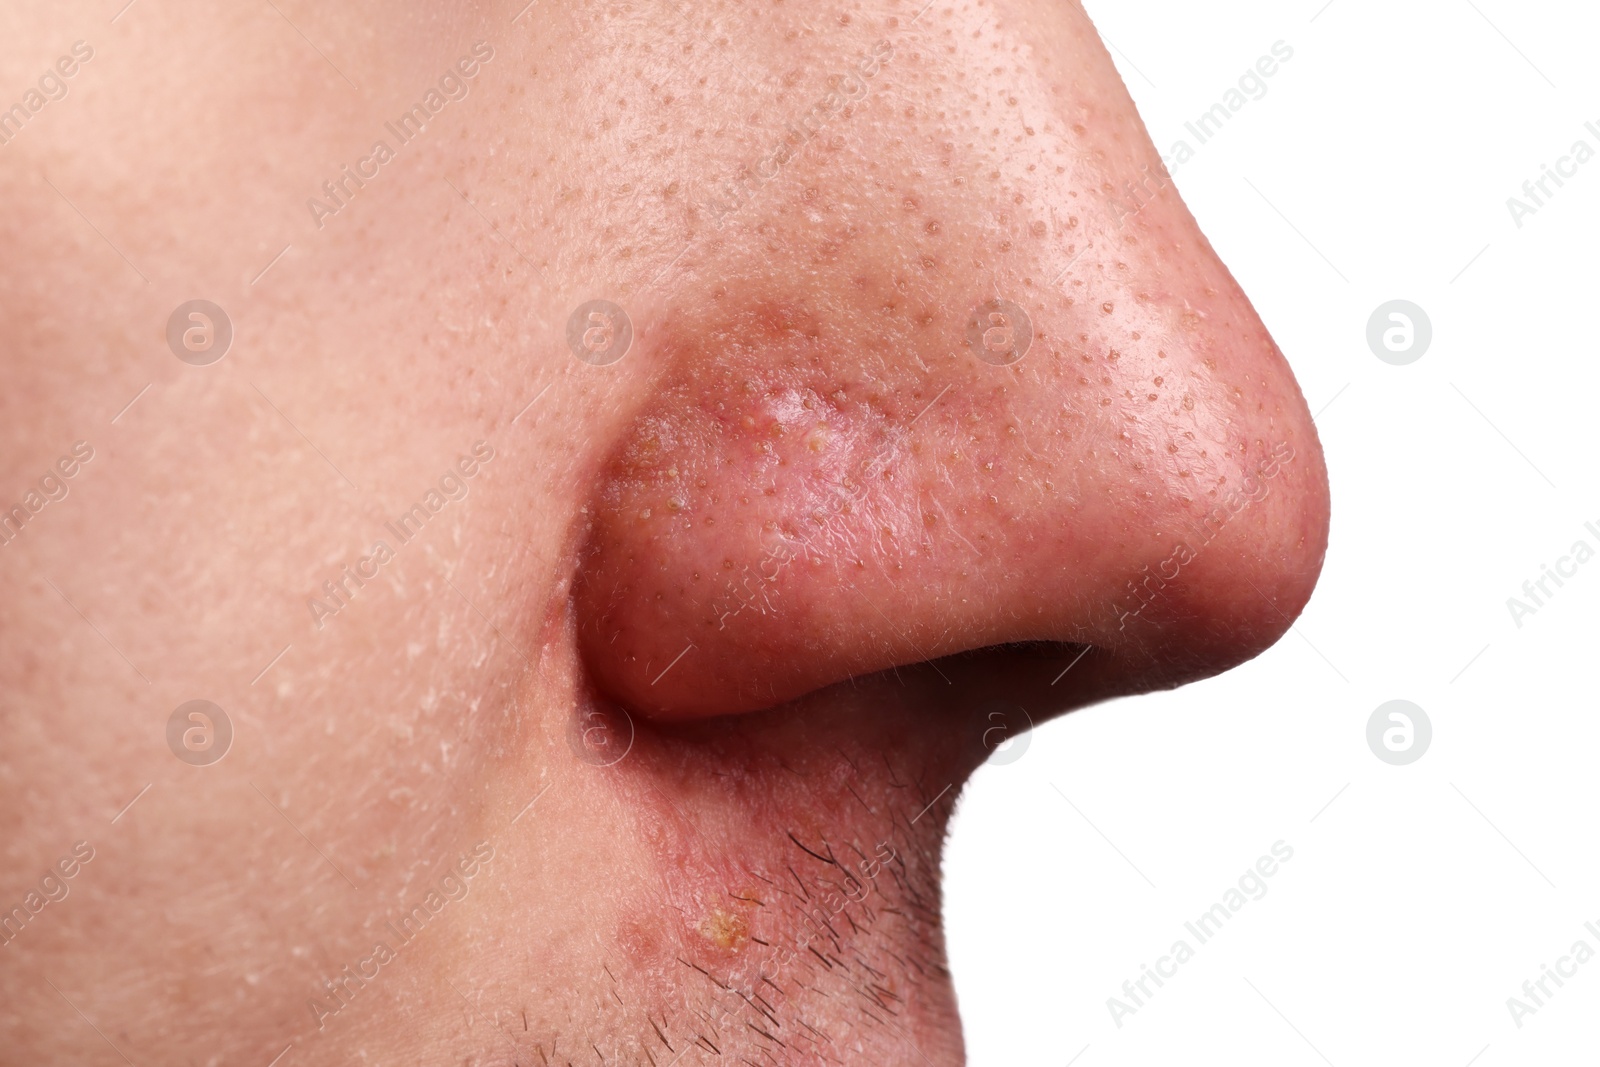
<point x="799" y="484"/>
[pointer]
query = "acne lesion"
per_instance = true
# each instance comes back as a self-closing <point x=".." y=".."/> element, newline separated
<point x="725" y="929"/>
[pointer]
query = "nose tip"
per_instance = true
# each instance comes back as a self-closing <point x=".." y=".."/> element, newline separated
<point x="795" y="508"/>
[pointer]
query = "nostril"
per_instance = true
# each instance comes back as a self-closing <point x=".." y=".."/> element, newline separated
<point x="1037" y="668"/>
<point x="1027" y="650"/>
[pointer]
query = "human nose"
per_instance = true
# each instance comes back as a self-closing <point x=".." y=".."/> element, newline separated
<point x="871" y="448"/>
<point x="795" y="509"/>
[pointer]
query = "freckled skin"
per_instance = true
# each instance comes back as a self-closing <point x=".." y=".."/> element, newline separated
<point x="799" y="487"/>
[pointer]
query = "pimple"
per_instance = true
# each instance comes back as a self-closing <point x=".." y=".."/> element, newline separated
<point x="725" y="930"/>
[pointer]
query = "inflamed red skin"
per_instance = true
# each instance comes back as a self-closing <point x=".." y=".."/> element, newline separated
<point x="828" y="481"/>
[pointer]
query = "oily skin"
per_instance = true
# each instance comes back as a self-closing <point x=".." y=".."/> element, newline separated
<point x="758" y="888"/>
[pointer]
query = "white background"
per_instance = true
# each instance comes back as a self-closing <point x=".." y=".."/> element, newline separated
<point x="1419" y="897"/>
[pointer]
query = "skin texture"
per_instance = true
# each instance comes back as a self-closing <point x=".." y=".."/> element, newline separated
<point x="801" y="497"/>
